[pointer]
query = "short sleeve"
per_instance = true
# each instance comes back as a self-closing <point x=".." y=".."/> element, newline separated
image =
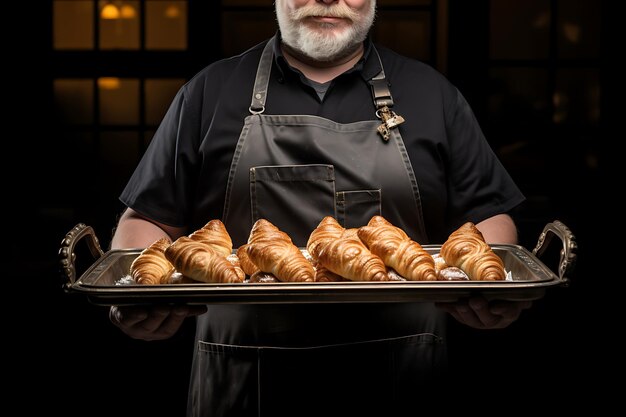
<point x="479" y="185"/>
<point x="162" y="185"/>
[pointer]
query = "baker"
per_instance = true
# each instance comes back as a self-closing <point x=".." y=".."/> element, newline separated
<point x="316" y="121"/>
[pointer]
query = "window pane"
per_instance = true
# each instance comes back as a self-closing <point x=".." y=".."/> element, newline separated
<point x="74" y="100"/>
<point x="119" y="101"/>
<point x="577" y="97"/>
<point x="242" y="30"/>
<point x="73" y="24"/>
<point x="147" y="137"/>
<point x="159" y="94"/>
<point x="120" y="150"/>
<point x="520" y="29"/>
<point x="119" y="25"/>
<point x="407" y="33"/>
<point x="166" y="25"/>
<point x="579" y="29"/>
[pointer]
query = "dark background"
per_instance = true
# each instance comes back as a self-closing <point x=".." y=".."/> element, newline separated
<point x="67" y="348"/>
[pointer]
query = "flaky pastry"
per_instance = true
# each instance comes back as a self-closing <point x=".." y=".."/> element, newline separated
<point x="466" y="249"/>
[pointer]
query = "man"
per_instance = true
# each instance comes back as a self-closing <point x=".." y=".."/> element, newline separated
<point x="349" y="129"/>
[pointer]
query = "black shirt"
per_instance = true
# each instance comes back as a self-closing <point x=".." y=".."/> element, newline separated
<point x="181" y="180"/>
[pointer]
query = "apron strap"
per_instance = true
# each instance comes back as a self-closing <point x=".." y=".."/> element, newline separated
<point x="262" y="80"/>
<point x="380" y="88"/>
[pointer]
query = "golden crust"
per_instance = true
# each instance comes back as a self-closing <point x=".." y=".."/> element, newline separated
<point x="466" y="249"/>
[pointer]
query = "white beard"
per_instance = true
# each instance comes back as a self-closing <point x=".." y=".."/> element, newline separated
<point x="324" y="43"/>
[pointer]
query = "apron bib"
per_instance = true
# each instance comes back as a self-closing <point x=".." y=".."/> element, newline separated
<point x="260" y="360"/>
<point x="294" y="170"/>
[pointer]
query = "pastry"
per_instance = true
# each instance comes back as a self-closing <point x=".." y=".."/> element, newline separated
<point x="245" y="262"/>
<point x="198" y="261"/>
<point x="327" y="230"/>
<point x="151" y="267"/>
<point x="466" y="248"/>
<point x="323" y="274"/>
<point x="215" y="235"/>
<point x="397" y="250"/>
<point x="351" y="259"/>
<point x="273" y="251"/>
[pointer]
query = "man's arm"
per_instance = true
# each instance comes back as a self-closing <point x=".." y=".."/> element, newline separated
<point x="477" y="312"/>
<point x="136" y="231"/>
<point x="143" y="322"/>
<point x="498" y="229"/>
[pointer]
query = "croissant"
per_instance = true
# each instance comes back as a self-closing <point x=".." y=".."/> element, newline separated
<point x="151" y="267"/>
<point x="323" y="274"/>
<point x="215" y="235"/>
<point x="201" y="263"/>
<point x="327" y="230"/>
<point x="351" y="259"/>
<point x="245" y="262"/>
<point x="397" y="250"/>
<point x="273" y="251"/>
<point x="466" y="249"/>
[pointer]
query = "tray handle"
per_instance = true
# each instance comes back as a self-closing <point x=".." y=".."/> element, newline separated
<point x="67" y="254"/>
<point x="568" y="254"/>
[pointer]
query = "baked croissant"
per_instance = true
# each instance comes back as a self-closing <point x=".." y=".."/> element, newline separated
<point x="397" y="250"/>
<point x="323" y="274"/>
<point x="466" y="249"/>
<point x="245" y="262"/>
<point x="215" y="235"/>
<point x="201" y="263"/>
<point x="327" y="230"/>
<point x="273" y="251"/>
<point x="151" y="267"/>
<point x="351" y="259"/>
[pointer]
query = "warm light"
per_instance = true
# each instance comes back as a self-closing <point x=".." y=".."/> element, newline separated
<point x="109" y="83"/>
<point x="110" y="12"/>
<point x="172" y="12"/>
<point x="572" y="32"/>
<point x="560" y="107"/>
<point x="128" y="12"/>
<point x="542" y="20"/>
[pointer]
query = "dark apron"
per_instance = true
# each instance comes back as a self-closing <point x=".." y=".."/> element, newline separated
<point x="253" y="360"/>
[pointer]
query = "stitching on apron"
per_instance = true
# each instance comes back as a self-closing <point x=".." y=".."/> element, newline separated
<point x="431" y="338"/>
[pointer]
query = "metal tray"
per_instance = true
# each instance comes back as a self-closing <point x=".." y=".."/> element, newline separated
<point x="530" y="279"/>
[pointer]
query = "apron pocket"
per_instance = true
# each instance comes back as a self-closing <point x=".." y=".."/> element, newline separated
<point x="224" y="381"/>
<point x="295" y="198"/>
<point x="356" y="208"/>
<point x="383" y="377"/>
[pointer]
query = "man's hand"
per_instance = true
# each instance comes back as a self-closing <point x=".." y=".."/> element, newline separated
<point x="479" y="313"/>
<point x="152" y="323"/>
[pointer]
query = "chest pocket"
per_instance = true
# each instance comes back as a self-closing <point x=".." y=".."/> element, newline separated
<point x="295" y="198"/>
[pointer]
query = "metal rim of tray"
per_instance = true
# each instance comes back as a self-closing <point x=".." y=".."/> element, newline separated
<point x="284" y="292"/>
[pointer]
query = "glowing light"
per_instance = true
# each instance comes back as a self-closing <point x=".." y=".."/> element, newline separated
<point x="172" y="12"/>
<point x="128" y="12"/>
<point x="109" y="83"/>
<point x="110" y="12"/>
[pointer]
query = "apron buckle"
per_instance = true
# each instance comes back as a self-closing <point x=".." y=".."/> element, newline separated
<point x="390" y="121"/>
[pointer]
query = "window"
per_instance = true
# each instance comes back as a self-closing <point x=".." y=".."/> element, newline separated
<point x="120" y="24"/>
<point x="544" y="108"/>
<point x="117" y="64"/>
<point x="116" y="67"/>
